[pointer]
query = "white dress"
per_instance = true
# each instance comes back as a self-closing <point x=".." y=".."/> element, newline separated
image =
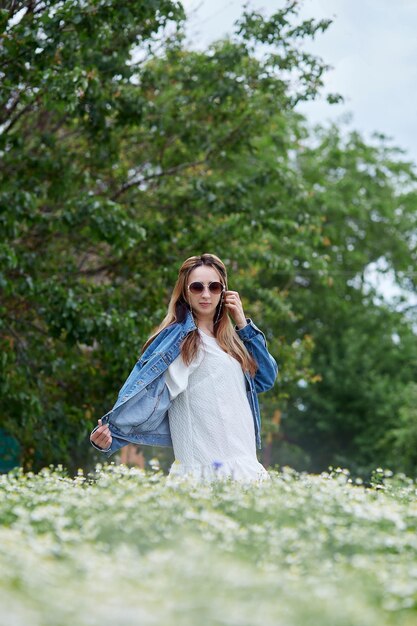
<point x="210" y="418"/>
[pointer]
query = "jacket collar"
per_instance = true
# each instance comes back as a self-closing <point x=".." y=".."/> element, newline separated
<point x="189" y="323"/>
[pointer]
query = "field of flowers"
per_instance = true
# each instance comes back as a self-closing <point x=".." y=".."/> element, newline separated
<point x="124" y="547"/>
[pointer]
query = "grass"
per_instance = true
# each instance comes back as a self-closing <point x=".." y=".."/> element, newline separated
<point x="123" y="547"/>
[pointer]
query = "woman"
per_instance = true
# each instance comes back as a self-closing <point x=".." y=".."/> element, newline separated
<point x="195" y="385"/>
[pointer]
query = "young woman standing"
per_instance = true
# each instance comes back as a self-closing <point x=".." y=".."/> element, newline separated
<point x="195" y="386"/>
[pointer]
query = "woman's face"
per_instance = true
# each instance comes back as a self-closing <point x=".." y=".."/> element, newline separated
<point x="203" y="304"/>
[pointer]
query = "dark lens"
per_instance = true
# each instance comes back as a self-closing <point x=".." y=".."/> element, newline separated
<point x="196" y="287"/>
<point x="216" y="288"/>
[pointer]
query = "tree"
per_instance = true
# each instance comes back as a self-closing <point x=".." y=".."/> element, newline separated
<point x="118" y="148"/>
<point x="400" y="442"/>
<point x="365" y="353"/>
<point x="123" y="153"/>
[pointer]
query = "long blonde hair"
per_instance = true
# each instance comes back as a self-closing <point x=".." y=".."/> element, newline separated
<point x="224" y="331"/>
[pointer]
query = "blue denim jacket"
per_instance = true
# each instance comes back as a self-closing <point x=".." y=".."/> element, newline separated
<point x="140" y="414"/>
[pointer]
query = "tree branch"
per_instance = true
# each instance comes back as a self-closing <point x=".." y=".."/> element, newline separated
<point x="169" y="172"/>
<point x="25" y="109"/>
<point x="9" y="110"/>
<point x="182" y="166"/>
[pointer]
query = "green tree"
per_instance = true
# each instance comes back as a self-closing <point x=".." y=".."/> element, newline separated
<point x="121" y="154"/>
<point x="365" y="352"/>
<point x="400" y="441"/>
<point x="65" y="100"/>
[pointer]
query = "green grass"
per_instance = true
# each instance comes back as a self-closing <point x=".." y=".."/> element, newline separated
<point x="123" y="547"/>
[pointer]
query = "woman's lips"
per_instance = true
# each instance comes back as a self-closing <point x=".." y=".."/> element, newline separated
<point x="205" y="303"/>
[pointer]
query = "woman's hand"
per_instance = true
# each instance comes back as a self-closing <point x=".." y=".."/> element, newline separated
<point x="235" y="308"/>
<point x="102" y="437"/>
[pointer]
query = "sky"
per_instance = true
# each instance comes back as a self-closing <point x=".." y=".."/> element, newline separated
<point x="372" y="47"/>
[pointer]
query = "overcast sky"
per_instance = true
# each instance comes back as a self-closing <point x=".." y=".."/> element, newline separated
<point x="372" y="46"/>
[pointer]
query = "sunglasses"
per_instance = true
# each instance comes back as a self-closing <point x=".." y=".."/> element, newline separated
<point x="215" y="287"/>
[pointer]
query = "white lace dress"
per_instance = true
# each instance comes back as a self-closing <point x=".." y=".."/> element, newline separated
<point x="210" y="419"/>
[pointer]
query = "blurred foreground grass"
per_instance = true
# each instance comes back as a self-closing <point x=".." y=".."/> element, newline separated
<point x="123" y="547"/>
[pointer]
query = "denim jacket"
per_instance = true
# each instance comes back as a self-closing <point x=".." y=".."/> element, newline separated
<point x="140" y="414"/>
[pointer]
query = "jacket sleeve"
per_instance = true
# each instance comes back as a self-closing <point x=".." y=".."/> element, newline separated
<point x="144" y="358"/>
<point x="255" y="343"/>
<point x="115" y="444"/>
<point x="118" y="443"/>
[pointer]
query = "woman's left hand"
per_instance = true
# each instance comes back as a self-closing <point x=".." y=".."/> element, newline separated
<point x="234" y="306"/>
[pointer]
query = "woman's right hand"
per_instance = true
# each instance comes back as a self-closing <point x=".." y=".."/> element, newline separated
<point x="102" y="436"/>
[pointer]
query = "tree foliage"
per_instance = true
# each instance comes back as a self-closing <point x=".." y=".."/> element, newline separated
<point x="365" y="351"/>
<point x="123" y="153"/>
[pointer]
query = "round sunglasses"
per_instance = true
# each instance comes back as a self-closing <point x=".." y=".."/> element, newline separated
<point x="215" y="287"/>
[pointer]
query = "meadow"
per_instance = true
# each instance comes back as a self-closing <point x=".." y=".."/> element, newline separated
<point x="122" y="546"/>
